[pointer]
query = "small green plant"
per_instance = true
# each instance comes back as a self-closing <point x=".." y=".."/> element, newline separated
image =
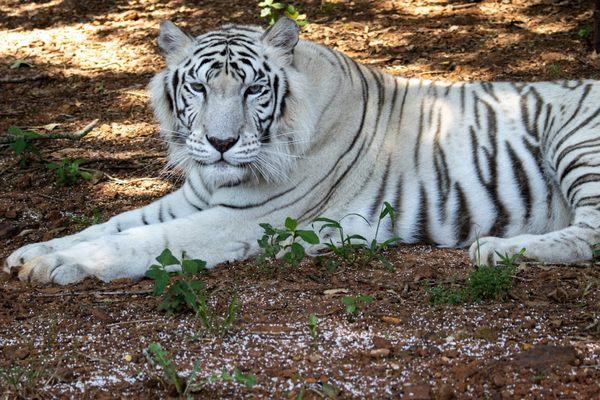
<point x="272" y="11"/>
<point x="67" y="171"/>
<point x="159" y="356"/>
<point x="237" y="376"/>
<point x="485" y="283"/>
<point x="83" y="221"/>
<point x="276" y="240"/>
<point x="187" y="291"/>
<point x="22" y="146"/>
<point x="328" y="7"/>
<point x="172" y="378"/>
<point x="353" y="303"/>
<point x="22" y="380"/>
<point x="352" y="248"/>
<point x="313" y="323"/>
<point x="585" y="31"/>
<point x="442" y="294"/>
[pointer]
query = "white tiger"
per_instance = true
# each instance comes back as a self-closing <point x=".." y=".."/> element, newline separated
<point x="267" y="126"/>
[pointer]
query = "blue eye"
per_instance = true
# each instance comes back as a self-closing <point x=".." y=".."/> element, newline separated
<point x="254" y="89"/>
<point x="198" y="87"/>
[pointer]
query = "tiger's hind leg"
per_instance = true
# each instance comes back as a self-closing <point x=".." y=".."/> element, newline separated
<point x="576" y="162"/>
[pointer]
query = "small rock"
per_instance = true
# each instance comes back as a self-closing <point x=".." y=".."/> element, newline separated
<point x="556" y="323"/>
<point x="417" y="392"/>
<point x="381" y="343"/>
<point x="379" y="353"/>
<point x="446" y="392"/>
<point x="22" y="353"/>
<point x="7" y="230"/>
<point x="391" y="320"/>
<point x="498" y="380"/>
<point x="130" y="16"/>
<point x="529" y="324"/>
<point x="11" y="214"/>
<point x="462" y="372"/>
<point x="333" y="292"/>
<point x="127" y="357"/>
<point x="24" y="182"/>
<point x="314" y="357"/>
<point x="100" y="315"/>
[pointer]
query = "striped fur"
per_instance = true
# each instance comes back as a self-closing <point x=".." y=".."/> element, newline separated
<point x="313" y="133"/>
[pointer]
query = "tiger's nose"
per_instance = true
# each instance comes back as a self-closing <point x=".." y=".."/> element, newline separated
<point x="222" y="145"/>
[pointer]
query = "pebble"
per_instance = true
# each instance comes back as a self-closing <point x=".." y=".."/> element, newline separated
<point x="446" y="392"/>
<point x="379" y="353"/>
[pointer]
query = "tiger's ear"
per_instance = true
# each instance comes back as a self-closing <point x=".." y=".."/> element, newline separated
<point x="281" y="38"/>
<point x="173" y="42"/>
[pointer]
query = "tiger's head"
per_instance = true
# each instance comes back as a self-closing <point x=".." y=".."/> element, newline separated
<point x="222" y="101"/>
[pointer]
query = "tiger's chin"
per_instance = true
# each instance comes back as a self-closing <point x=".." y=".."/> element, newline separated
<point x="222" y="174"/>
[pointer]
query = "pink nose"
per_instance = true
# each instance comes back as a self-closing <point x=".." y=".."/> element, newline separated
<point x="222" y="145"/>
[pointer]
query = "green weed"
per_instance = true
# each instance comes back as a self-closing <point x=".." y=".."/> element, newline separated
<point x="353" y="248"/>
<point x="172" y="378"/>
<point x="23" y="146"/>
<point x="188" y="291"/>
<point x="159" y="356"/>
<point x="276" y="240"/>
<point x="83" y="221"/>
<point x="483" y="284"/>
<point x="67" y="171"/>
<point x="313" y="323"/>
<point x="354" y="303"/>
<point x="23" y="381"/>
<point x="272" y="11"/>
<point x="585" y="31"/>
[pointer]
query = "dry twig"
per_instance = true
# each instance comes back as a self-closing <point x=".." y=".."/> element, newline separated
<point x="72" y="136"/>
<point x="22" y="79"/>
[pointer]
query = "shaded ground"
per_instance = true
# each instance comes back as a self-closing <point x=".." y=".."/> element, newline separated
<point x="87" y="340"/>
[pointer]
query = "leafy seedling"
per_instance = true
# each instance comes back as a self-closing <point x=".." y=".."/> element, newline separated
<point x="159" y="356"/>
<point x="484" y="284"/>
<point x="353" y="248"/>
<point x="277" y="240"/>
<point x="22" y="146"/>
<point x="67" y="171"/>
<point x="354" y="303"/>
<point x="272" y="11"/>
<point x="188" y="291"/>
<point x="83" y="221"/>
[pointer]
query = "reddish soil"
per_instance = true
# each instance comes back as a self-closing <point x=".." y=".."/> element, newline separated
<point x="87" y="340"/>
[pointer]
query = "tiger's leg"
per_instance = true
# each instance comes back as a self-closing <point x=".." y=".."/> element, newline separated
<point x="178" y="204"/>
<point x="575" y="159"/>
<point x="209" y="235"/>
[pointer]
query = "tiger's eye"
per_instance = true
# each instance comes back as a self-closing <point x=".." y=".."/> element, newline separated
<point x="254" y="89"/>
<point x="198" y="87"/>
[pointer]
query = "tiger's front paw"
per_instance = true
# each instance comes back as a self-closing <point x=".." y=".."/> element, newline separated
<point x="52" y="268"/>
<point x="27" y="253"/>
<point x="106" y="259"/>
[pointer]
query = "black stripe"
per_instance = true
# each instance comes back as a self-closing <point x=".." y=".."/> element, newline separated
<point x="376" y="206"/>
<point x="583" y="179"/>
<point x="522" y="181"/>
<point x="462" y="218"/>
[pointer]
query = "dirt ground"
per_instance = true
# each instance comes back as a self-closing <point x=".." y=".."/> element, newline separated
<point x="92" y="60"/>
